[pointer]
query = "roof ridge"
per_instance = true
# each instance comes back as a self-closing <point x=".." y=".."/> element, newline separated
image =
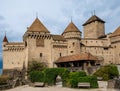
<point x="92" y="19"/>
<point x="37" y="26"/>
<point x="71" y="28"/>
<point x="116" y="32"/>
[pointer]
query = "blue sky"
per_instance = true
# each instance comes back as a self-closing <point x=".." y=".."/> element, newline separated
<point x="17" y="15"/>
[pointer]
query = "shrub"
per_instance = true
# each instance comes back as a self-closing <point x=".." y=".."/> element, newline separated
<point x="91" y="79"/>
<point x="68" y="79"/>
<point x="107" y="72"/>
<point x="77" y="74"/>
<point x="4" y="79"/>
<point x="52" y="73"/>
<point x="36" y="76"/>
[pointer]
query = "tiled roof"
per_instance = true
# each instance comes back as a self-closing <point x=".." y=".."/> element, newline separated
<point x="5" y="39"/>
<point x="37" y="26"/>
<point x="92" y="19"/>
<point x="58" y="38"/>
<point x="116" y="32"/>
<point x="71" y="28"/>
<point x="77" y="57"/>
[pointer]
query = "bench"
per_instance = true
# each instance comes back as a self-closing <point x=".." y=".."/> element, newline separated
<point x="39" y="84"/>
<point x="84" y="84"/>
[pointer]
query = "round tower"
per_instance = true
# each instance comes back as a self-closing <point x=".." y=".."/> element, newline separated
<point x="73" y="36"/>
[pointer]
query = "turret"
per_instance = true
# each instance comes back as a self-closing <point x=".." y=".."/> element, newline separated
<point x="5" y="41"/>
<point x="94" y="27"/>
<point x="37" y="29"/>
<point x="73" y="35"/>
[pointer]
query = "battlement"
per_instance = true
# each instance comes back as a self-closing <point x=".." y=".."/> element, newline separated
<point x="14" y="46"/>
<point x="76" y="35"/>
<point x="37" y="35"/>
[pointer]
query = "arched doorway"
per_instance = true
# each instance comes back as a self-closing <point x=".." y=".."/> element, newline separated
<point x="58" y="82"/>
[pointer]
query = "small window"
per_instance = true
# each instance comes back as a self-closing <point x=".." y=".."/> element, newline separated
<point x="60" y="54"/>
<point x="105" y="48"/>
<point x="41" y="54"/>
<point x="25" y="44"/>
<point x="71" y="51"/>
<point x="73" y="44"/>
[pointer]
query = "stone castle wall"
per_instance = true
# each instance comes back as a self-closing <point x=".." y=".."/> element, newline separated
<point x="94" y="30"/>
<point x="13" y="59"/>
<point x="42" y="47"/>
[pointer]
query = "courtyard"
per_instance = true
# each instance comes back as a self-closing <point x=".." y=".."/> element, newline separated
<point x="102" y="87"/>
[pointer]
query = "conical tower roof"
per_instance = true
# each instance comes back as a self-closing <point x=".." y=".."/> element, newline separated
<point x="5" y="39"/>
<point x="71" y="28"/>
<point x="92" y="19"/>
<point x="116" y="32"/>
<point x="37" y="26"/>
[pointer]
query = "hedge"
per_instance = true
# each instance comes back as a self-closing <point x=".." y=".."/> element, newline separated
<point x="52" y="73"/>
<point x="76" y="77"/>
<point x="107" y="72"/>
<point x="77" y="74"/>
<point x="69" y="79"/>
<point x="36" y="76"/>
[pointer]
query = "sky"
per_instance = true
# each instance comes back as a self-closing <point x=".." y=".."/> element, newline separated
<point x="17" y="15"/>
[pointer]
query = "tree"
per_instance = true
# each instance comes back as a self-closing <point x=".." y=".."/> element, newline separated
<point x="36" y="66"/>
<point x="107" y="72"/>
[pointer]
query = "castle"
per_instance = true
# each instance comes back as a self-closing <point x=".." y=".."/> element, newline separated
<point x="39" y="45"/>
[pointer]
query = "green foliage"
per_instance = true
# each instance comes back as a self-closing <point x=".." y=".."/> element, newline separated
<point x="49" y="76"/>
<point x="4" y="79"/>
<point x="107" y="72"/>
<point x="52" y="73"/>
<point x="36" y="76"/>
<point x="76" y="77"/>
<point x="77" y="74"/>
<point x="36" y="66"/>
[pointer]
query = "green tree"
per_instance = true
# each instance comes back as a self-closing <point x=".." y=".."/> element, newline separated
<point x="36" y="66"/>
<point x="107" y="72"/>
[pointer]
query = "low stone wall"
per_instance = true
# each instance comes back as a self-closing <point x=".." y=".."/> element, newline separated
<point x="114" y="83"/>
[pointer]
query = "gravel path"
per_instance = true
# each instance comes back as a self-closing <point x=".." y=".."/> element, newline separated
<point x="102" y="87"/>
<point x="27" y="88"/>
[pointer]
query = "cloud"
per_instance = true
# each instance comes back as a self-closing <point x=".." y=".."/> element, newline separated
<point x="55" y="15"/>
<point x="1" y="17"/>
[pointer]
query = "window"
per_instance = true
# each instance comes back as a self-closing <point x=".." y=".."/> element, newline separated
<point x="60" y="54"/>
<point x="41" y="54"/>
<point x="73" y="44"/>
<point x="71" y="51"/>
<point x="105" y="48"/>
<point x="25" y="44"/>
